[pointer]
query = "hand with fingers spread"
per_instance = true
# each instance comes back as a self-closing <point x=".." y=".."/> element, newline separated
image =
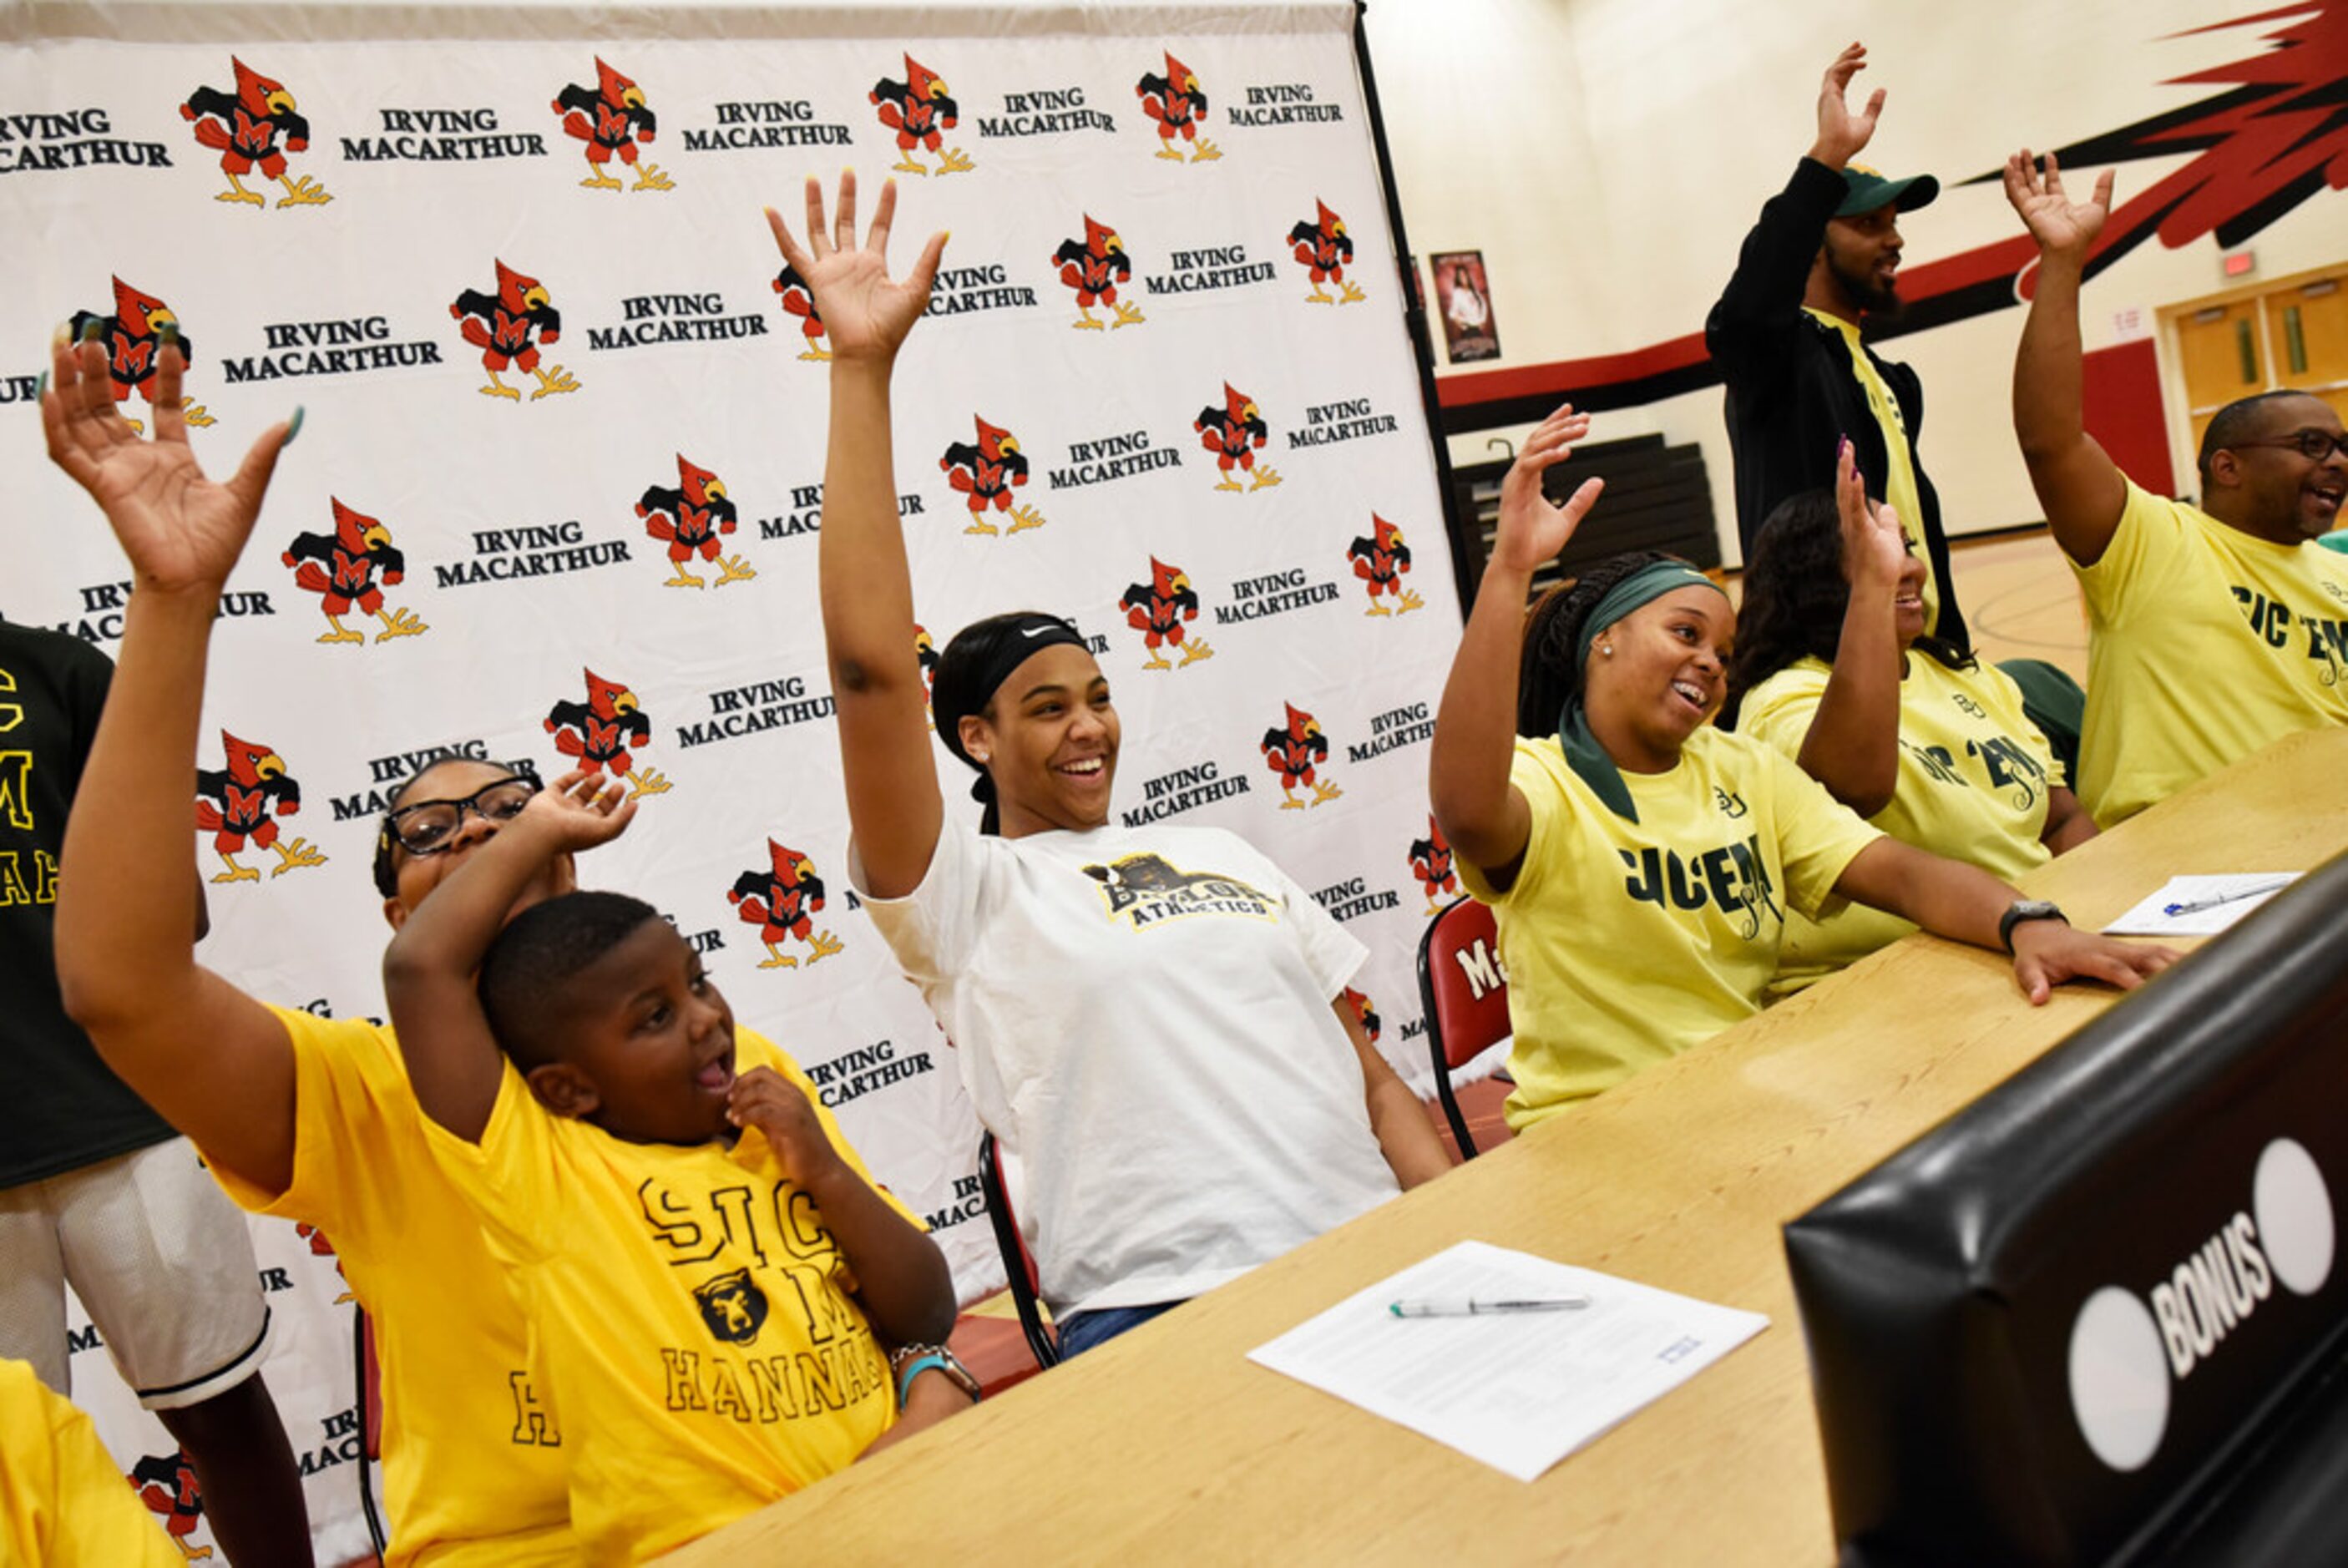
<point x="1531" y="530"/>
<point x="866" y="312"/>
<point x="2061" y="227"/>
<point x="1874" y="547"/>
<point x="2047" y="953"/>
<point x="180" y="529"/>
<point x="578" y="813"/>
<point x="1843" y="135"/>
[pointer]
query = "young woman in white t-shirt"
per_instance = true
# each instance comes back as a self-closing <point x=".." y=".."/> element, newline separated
<point x="1834" y="669"/>
<point x="1151" y="1020"/>
<point x="1641" y="861"/>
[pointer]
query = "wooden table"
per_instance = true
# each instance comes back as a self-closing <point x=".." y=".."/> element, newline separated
<point x="1167" y="1444"/>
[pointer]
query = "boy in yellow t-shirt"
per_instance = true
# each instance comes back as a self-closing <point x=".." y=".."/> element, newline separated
<point x="708" y="1267"/>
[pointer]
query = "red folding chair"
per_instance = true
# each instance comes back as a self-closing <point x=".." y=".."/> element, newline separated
<point x="1465" y="995"/>
<point x="1018" y="1264"/>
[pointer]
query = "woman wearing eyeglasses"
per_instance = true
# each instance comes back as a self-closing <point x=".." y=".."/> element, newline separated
<point x="299" y="1116"/>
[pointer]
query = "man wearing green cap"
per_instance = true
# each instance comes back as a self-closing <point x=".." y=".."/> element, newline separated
<point x="1785" y="335"/>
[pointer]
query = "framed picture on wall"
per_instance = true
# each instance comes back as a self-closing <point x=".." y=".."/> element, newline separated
<point x="1464" y="299"/>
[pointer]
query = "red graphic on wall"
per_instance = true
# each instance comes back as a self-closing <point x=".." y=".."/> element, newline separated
<point x="1178" y="104"/>
<point x="614" y="120"/>
<point x="986" y="471"/>
<point x="1430" y="863"/>
<point x="246" y="127"/>
<point x="1162" y="610"/>
<point x="1295" y="751"/>
<point x="919" y="111"/>
<point x="166" y="1483"/>
<point x="134" y="336"/>
<point x="797" y="300"/>
<point x="348" y="569"/>
<point x="1322" y="248"/>
<point x="690" y="518"/>
<point x="244" y="800"/>
<point x="1094" y="266"/>
<point x="597" y="733"/>
<point x="782" y="900"/>
<point x="1380" y="557"/>
<point x="510" y="327"/>
<point x="1233" y="433"/>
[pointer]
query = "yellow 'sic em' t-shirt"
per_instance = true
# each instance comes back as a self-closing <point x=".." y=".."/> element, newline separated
<point x="1974" y="780"/>
<point x="2204" y="645"/>
<point x="473" y="1465"/>
<point x="1626" y="942"/>
<point x="694" y="1315"/>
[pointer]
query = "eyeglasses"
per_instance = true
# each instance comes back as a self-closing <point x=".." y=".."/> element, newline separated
<point x="428" y="827"/>
<point x="2313" y="445"/>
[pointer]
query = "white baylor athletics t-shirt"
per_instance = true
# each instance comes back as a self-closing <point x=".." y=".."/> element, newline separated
<point x="1143" y="1018"/>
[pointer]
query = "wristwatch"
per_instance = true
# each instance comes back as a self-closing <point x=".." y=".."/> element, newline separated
<point x="2026" y="909"/>
<point x="909" y="1361"/>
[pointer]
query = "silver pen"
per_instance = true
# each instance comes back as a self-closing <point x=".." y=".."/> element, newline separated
<point x="1478" y="1306"/>
<point x="2195" y="906"/>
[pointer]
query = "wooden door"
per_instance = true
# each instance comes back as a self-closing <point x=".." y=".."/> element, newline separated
<point x="2223" y="348"/>
<point x="2308" y="327"/>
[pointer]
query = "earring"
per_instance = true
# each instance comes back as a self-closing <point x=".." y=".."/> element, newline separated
<point x="1606" y="648"/>
<point x="979" y="757"/>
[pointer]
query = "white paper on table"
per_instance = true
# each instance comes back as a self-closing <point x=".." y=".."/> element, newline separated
<point x="1519" y="1391"/>
<point x="2236" y="895"/>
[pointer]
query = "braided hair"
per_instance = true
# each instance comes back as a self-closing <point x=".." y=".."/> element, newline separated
<point x="1548" y="673"/>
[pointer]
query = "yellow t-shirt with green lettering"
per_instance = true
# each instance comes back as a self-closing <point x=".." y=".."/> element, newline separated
<point x="473" y="1467"/>
<point x="2204" y="645"/>
<point x="62" y="1502"/>
<point x="1974" y="780"/>
<point x="694" y="1315"/>
<point x="1626" y="942"/>
<point x="1900" y="491"/>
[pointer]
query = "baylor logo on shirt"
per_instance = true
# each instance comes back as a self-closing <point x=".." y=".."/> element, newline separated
<point x="1734" y="877"/>
<point x="1146" y="889"/>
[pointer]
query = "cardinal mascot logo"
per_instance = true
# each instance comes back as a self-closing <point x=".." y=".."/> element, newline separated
<point x="611" y="119"/>
<point x="733" y="1309"/>
<point x="320" y="1247"/>
<point x="1380" y="559"/>
<point x="1178" y="105"/>
<point x="986" y="471"/>
<point x="1162" y="610"/>
<point x="782" y="901"/>
<point x="1367" y="1012"/>
<point x="1233" y="433"/>
<point x="919" y="111"/>
<point x="925" y="651"/>
<point x="1430" y="863"/>
<point x="246" y="128"/>
<point x="689" y="519"/>
<point x="597" y="733"/>
<point x="1093" y="266"/>
<point x="244" y="801"/>
<point x="510" y="327"/>
<point x="133" y="336"/>
<point x="797" y="300"/>
<point x="352" y="566"/>
<point x="1294" y="752"/>
<point x="1324" y="252"/>
<point x="166" y="1483"/>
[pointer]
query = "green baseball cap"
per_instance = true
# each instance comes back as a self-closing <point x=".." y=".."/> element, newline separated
<point x="1869" y="189"/>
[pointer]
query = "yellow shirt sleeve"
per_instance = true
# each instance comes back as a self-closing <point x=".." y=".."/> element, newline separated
<point x="62" y="1502"/>
<point x="1779" y="711"/>
<point x="348" y="1097"/>
<point x="1818" y="835"/>
<point x="1529" y="779"/>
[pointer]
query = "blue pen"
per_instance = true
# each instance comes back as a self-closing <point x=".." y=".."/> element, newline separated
<point x="2195" y="906"/>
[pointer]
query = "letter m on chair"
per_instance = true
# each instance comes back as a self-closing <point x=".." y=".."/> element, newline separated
<point x="1465" y="995"/>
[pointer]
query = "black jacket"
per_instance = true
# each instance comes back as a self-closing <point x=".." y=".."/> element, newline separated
<point x="1792" y="396"/>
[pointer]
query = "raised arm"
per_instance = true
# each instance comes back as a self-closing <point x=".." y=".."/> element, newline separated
<point x="1966" y="903"/>
<point x="2078" y="485"/>
<point x="1853" y="746"/>
<point x="1484" y="815"/>
<point x="894" y="809"/>
<point x="213" y="1061"/>
<point x="1760" y="307"/>
<point x="428" y="970"/>
<point x="901" y="1279"/>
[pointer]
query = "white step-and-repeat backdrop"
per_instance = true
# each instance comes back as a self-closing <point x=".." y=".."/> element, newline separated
<point x="560" y="481"/>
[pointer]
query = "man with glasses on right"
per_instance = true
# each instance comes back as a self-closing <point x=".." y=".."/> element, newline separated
<point x="2212" y="630"/>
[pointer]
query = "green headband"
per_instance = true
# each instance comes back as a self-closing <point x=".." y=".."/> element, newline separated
<point x="1589" y="760"/>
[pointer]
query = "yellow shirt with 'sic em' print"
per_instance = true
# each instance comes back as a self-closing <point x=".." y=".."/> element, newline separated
<point x="1626" y="942"/>
<point x="473" y="1467"/>
<point x="1973" y="782"/>
<point x="694" y="1315"/>
<point x="2204" y="645"/>
<point x="1898" y="487"/>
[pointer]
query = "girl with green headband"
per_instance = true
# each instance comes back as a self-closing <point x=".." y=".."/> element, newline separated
<point x="1639" y="861"/>
<point x="1834" y="669"/>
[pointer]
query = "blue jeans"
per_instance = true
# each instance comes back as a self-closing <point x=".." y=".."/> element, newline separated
<point x="1081" y="1331"/>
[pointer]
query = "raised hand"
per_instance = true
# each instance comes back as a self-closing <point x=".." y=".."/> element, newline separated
<point x="762" y="1097"/>
<point x="1874" y="546"/>
<point x="1842" y="135"/>
<point x="182" y="531"/>
<point x="580" y="810"/>
<point x="1531" y="530"/>
<point x="866" y="312"/>
<point x="2061" y="227"/>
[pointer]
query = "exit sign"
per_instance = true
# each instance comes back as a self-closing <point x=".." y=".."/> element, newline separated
<point x="2239" y="264"/>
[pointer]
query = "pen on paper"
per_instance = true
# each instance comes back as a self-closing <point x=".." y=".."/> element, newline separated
<point x="2194" y="906"/>
<point x="1471" y="1306"/>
